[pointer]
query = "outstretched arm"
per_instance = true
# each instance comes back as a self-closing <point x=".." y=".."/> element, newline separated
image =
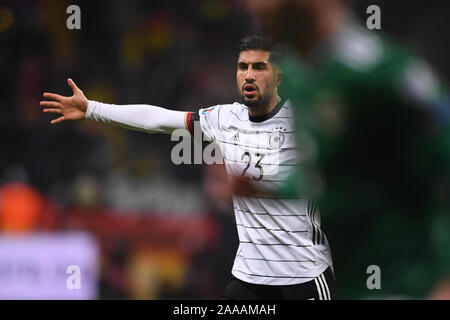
<point x="139" y="117"/>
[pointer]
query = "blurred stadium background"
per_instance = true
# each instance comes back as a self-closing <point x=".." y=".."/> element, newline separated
<point x="139" y="226"/>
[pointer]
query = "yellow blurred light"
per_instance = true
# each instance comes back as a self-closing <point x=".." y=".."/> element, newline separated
<point x="6" y="19"/>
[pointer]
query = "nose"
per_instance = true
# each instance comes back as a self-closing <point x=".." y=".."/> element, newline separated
<point x="249" y="76"/>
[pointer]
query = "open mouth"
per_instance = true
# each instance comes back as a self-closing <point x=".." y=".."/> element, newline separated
<point x="249" y="89"/>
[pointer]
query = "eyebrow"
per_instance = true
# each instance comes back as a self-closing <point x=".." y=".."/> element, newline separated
<point x="255" y="64"/>
<point x="260" y="64"/>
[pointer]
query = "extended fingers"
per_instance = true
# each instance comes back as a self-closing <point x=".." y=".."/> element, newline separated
<point x="55" y="107"/>
<point x="52" y="104"/>
<point x="53" y="96"/>
<point x="72" y="85"/>
<point x="52" y="110"/>
<point x="57" y="120"/>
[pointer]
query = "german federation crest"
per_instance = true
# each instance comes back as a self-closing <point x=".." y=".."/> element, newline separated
<point x="276" y="139"/>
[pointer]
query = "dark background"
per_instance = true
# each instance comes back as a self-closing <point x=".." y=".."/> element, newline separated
<point x="121" y="185"/>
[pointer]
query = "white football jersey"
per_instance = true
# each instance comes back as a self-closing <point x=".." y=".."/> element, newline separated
<point x="281" y="242"/>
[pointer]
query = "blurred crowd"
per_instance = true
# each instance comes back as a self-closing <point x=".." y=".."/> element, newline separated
<point x="152" y="218"/>
<point x="165" y="231"/>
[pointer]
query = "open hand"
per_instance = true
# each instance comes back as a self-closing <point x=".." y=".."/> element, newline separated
<point x="70" y="108"/>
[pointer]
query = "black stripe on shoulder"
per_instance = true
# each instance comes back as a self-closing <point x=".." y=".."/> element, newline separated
<point x="194" y="117"/>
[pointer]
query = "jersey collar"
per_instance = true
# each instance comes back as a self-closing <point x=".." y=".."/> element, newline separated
<point x="269" y="115"/>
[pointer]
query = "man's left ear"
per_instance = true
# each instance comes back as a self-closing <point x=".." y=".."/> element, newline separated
<point x="279" y="78"/>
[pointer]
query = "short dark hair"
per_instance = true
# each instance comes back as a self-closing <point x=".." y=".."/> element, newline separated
<point x="258" y="42"/>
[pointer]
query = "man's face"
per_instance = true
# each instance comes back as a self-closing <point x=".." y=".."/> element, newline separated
<point x="257" y="78"/>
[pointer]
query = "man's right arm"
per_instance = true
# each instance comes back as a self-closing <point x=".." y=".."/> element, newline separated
<point x="146" y="118"/>
<point x="139" y="117"/>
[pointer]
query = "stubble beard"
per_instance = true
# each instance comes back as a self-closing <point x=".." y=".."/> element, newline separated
<point x="255" y="104"/>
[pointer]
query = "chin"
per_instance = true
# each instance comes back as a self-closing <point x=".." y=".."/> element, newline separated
<point x="253" y="102"/>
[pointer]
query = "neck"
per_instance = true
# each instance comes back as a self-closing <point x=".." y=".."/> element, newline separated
<point x="256" y="111"/>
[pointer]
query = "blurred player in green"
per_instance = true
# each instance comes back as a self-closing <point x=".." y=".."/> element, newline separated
<point x="373" y="121"/>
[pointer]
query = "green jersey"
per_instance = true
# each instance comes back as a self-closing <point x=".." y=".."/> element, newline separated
<point x="373" y="121"/>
